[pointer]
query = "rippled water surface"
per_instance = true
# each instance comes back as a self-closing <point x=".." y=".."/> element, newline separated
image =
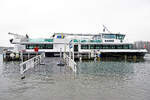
<point x="106" y="80"/>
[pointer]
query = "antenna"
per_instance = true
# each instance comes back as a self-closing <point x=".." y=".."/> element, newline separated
<point x="105" y="28"/>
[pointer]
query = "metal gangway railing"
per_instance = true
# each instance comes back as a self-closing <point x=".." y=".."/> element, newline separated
<point x="31" y="63"/>
<point x="70" y="62"/>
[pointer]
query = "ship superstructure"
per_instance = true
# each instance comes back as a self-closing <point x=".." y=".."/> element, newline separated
<point x="108" y="44"/>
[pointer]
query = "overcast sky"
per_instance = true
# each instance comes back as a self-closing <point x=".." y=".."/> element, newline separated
<point x="41" y="18"/>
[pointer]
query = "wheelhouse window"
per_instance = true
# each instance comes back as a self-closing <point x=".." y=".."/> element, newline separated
<point x="120" y="36"/>
<point x="109" y="36"/>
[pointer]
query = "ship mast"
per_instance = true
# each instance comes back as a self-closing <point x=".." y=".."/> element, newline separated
<point x="105" y="28"/>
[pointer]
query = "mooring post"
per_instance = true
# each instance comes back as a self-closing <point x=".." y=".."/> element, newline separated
<point x="134" y="58"/>
<point x="125" y="57"/>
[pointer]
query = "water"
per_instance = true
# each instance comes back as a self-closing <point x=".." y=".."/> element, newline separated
<point x="93" y="81"/>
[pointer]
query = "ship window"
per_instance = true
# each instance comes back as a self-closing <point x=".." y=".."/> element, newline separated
<point x="112" y="47"/>
<point x="40" y="46"/>
<point x="120" y="37"/>
<point x="119" y="46"/>
<point x="106" y="47"/>
<point x="30" y="46"/>
<point x="109" y="36"/>
<point x="125" y="46"/>
<point x="49" y="46"/>
<point x="84" y="46"/>
<point x="75" y="47"/>
<point x="91" y="46"/>
<point x="109" y="47"/>
<point x="97" y="46"/>
<point x="48" y="40"/>
<point x="130" y="46"/>
<point x="27" y="46"/>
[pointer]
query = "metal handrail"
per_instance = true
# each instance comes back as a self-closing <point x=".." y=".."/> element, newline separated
<point x="70" y="62"/>
<point x="24" y="66"/>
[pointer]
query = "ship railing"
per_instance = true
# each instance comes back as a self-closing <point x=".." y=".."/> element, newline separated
<point x="31" y="63"/>
<point x="70" y="62"/>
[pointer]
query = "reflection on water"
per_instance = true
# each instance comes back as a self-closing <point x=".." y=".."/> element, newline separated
<point x="106" y="68"/>
<point x="94" y="81"/>
<point x="1" y="62"/>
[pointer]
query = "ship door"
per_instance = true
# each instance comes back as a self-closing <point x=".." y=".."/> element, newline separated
<point x="76" y="48"/>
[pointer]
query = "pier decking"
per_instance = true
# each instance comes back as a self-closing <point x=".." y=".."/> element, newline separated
<point x="40" y="60"/>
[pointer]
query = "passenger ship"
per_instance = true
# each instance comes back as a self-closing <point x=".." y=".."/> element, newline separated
<point x="107" y="44"/>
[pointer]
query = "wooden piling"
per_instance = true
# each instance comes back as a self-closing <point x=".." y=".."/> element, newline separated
<point x="125" y="57"/>
<point x="134" y="58"/>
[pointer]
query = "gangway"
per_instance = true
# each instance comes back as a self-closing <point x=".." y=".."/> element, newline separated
<point x="69" y="59"/>
<point x="31" y="63"/>
<point x="70" y="62"/>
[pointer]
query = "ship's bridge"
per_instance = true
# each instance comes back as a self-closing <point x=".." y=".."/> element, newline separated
<point x="109" y="37"/>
